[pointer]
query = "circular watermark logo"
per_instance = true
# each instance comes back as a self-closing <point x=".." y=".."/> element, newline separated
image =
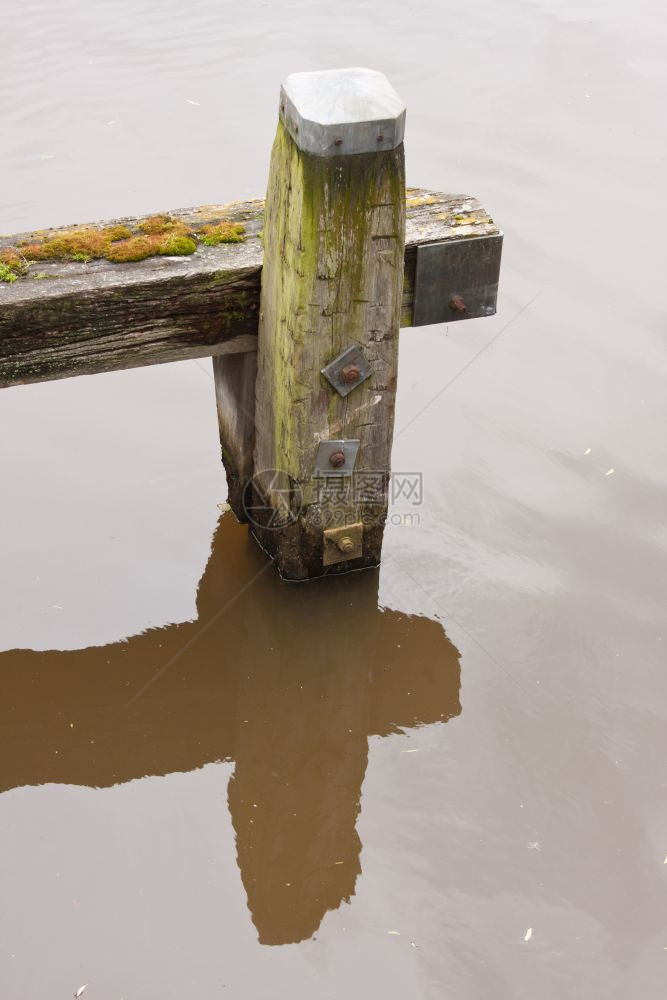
<point x="272" y="499"/>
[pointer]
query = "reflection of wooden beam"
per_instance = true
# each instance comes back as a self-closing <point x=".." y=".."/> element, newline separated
<point x="69" y="318"/>
<point x="289" y="684"/>
<point x="192" y="714"/>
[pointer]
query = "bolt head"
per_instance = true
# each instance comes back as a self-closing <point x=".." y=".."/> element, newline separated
<point x="456" y="304"/>
<point x="337" y="459"/>
<point x="350" y="373"/>
<point x="345" y="544"/>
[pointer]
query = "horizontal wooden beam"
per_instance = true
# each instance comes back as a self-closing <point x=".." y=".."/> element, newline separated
<point x="68" y="318"/>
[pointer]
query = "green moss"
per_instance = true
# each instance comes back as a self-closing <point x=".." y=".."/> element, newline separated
<point x="87" y="242"/>
<point x="6" y="274"/>
<point x="159" y="235"/>
<point x="158" y="224"/>
<point x="12" y="262"/>
<point x="114" y="233"/>
<point x="223" y="232"/>
<point x="176" y="245"/>
<point x="136" y="248"/>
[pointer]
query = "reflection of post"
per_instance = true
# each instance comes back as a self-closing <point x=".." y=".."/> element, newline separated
<point x="306" y="708"/>
<point x="294" y="796"/>
<point x="289" y="682"/>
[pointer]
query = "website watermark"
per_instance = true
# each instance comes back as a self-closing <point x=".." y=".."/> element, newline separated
<point x="272" y="499"/>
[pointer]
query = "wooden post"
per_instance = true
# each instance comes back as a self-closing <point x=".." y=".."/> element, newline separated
<point x="332" y="280"/>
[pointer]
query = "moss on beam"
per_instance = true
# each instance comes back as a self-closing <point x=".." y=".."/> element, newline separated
<point x="158" y="235"/>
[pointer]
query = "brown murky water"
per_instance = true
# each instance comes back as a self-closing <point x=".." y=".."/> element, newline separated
<point x="373" y="786"/>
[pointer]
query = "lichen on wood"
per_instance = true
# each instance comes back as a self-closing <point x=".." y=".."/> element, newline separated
<point x="333" y="274"/>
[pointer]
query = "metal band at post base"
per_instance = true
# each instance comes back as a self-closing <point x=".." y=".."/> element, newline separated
<point x="340" y="112"/>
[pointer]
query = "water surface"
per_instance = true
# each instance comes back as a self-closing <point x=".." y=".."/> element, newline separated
<point x="374" y="786"/>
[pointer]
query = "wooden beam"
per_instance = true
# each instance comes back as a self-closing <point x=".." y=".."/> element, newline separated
<point x="70" y="318"/>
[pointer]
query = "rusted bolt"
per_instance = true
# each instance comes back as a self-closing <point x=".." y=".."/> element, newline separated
<point x="350" y="373"/>
<point x="338" y="141"/>
<point x="380" y="138"/>
<point x="337" y="458"/>
<point x="456" y="304"/>
<point x="345" y="544"/>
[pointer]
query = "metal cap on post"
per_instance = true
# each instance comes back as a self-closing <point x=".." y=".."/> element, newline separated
<point x="341" y="111"/>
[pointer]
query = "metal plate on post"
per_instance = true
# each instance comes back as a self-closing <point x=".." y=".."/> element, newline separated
<point x="342" y="544"/>
<point x="456" y="280"/>
<point x="348" y="370"/>
<point x="326" y="449"/>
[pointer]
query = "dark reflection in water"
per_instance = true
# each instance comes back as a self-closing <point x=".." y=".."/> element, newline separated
<point x="289" y="682"/>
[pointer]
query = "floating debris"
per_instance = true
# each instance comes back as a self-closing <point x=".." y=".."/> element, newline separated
<point x="528" y="935"/>
<point x="396" y="933"/>
<point x="609" y="472"/>
<point x="80" y="991"/>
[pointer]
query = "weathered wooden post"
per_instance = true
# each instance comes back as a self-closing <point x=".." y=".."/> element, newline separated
<point x="332" y="281"/>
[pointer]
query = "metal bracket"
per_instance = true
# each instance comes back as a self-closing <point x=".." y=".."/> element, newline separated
<point x="348" y="370"/>
<point x="342" y="544"/>
<point x="324" y="466"/>
<point x="457" y="279"/>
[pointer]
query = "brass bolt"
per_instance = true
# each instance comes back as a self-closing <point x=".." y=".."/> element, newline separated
<point x="456" y="304"/>
<point x="338" y="142"/>
<point x="350" y="373"/>
<point x="337" y="458"/>
<point x="345" y="544"/>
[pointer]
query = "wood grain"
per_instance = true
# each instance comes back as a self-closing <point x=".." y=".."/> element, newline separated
<point x="333" y="277"/>
<point x="235" y="376"/>
<point x="66" y="319"/>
